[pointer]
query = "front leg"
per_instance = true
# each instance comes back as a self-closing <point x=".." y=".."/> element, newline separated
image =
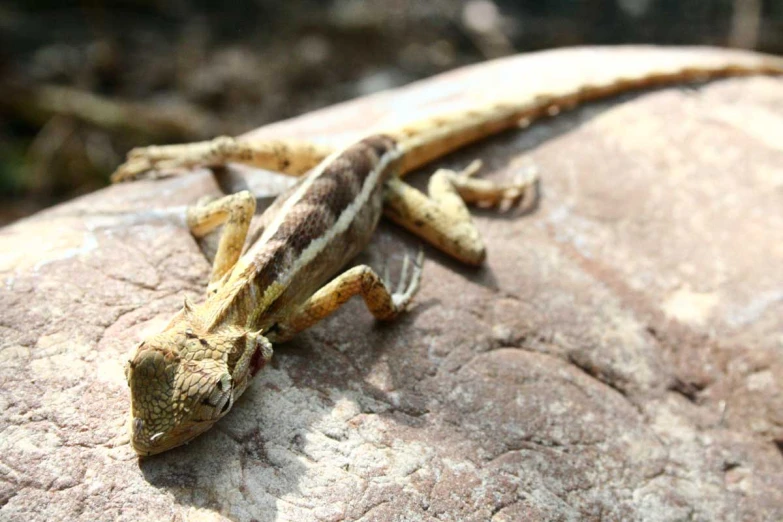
<point x="235" y="212"/>
<point x="443" y="219"/>
<point x="284" y="156"/>
<point x="362" y="280"/>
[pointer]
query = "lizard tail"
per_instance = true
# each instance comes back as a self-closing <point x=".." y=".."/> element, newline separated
<point x="423" y="142"/>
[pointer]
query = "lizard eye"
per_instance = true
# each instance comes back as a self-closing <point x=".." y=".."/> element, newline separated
<point x="227" y="405"/>
<point x="219" y="400"/>
<point x="227" y="399"/>
<point x="224" y="384"/>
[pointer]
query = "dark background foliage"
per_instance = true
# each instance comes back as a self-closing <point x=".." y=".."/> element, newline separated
<point x="82" y="82"/>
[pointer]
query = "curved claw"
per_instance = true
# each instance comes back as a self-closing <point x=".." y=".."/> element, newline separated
<point x="406" y="290"/>
<point x="489" y="194"/>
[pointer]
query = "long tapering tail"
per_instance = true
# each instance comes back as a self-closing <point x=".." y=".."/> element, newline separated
<point x="433" y="137"/>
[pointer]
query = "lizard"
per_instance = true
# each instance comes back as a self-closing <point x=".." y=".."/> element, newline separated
<point x="265" y="289"/>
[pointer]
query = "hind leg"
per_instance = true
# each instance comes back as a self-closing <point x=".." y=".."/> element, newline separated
<point x="443" y="219"/>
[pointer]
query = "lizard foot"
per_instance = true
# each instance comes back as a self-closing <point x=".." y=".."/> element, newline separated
<point x="141" y="166"/>
<point x="490" y="194"/>
<point x="134" y="168"/>
<point x="410" y="278"/>
<point x="160" y="161"/>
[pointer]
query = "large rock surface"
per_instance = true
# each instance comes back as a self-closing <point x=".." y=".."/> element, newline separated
<point x="619" y="357"/>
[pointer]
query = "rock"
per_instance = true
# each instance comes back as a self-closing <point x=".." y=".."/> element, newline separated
<point x="618" y="358"/>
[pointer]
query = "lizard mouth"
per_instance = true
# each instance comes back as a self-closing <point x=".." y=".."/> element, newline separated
<point x="146" y="445"/>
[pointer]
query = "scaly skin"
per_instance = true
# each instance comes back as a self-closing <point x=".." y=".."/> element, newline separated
<point x="186" y="378"/>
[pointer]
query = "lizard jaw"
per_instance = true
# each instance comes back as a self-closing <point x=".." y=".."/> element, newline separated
<point x="163" y="440"/>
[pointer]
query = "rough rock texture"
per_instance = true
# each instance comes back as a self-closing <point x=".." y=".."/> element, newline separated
<point x="620" y="357"/>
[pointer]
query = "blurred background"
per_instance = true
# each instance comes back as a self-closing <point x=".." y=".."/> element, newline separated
<point x="83" y="82"/>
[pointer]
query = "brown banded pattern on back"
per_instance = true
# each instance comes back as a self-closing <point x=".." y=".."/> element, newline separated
<point x="310" y="213"/>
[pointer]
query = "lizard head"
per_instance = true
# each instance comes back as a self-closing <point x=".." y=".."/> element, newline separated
<point x="184" y="379"/>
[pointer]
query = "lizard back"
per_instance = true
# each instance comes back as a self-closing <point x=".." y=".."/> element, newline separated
<point x="313" y="230"/>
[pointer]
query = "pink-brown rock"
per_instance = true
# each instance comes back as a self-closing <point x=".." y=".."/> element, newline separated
<point x="619" y="357"/>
